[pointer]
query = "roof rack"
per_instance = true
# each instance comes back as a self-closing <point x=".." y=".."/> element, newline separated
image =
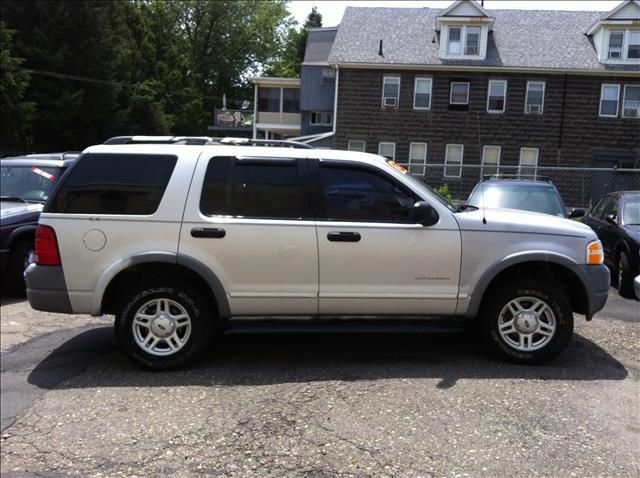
<point x="201" y="140"/>
<point x="523" y="177"/>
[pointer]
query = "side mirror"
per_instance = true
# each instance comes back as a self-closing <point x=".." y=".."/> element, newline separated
<point x="576" y="212"/>
<point x="611" y="219"/>
<point x="423" y="213"/>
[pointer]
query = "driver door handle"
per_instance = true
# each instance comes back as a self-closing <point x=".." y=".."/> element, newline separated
<point x="341" y="236"/>
<point x="211" y="232"/>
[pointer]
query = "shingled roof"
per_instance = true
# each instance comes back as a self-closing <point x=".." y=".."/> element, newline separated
<point x="532" y="39"/>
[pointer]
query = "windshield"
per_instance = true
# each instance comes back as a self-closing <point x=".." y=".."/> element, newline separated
<point x="526" y="197"/>
<point x="29" y="183"/>
<point x="631" y="211"/>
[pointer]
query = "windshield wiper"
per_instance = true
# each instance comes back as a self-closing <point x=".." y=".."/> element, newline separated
<point x="13" y="198"/>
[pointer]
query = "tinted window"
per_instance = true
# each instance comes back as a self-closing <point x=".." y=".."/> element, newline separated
<point x="115" y="184"/>
<point x="543" y="199"/>
<point x="31" y="183"/>
<point x="609" y="207"/>
<point x="631" y="212"/>
<point x="355" y="194"/>
<point x="257" y="189"/>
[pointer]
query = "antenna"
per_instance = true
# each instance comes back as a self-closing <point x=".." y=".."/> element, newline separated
<point x="484" y="215"/>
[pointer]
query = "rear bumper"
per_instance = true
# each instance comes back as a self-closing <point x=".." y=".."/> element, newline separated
<point x="596" y="280"/>
<point x="47" y="289"/>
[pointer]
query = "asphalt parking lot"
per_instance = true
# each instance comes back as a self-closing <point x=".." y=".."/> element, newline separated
<point x="318" y="406"/>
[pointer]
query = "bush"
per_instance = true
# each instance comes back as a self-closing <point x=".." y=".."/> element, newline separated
<point x="444" y="192"/>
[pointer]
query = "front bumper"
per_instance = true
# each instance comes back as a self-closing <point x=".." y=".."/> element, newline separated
<point x="47" y="289"/>
<point x="596" y="281"/>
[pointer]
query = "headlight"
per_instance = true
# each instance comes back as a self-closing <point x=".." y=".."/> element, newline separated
<point x="595" y="254"/>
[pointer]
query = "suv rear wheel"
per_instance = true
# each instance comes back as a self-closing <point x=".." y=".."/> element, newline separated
<point x="527" y="321"/>
<point x="164" y="326"/>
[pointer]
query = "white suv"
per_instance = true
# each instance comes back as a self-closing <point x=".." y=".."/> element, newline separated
<point x="179" y="239"/>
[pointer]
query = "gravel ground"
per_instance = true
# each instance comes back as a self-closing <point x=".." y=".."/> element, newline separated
<point x="319" y="406"/>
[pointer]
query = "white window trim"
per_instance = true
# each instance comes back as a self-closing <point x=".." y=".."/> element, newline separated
<point x="627" y="43"/>
<point x="622" y="52"/>
<point x="535" y="166"/>
<point x="364" y="145"/>
<point x="320" y="112"/>
<point x="446" y="160"/>
<point x="462" y="39"/>
<point x="624" y="96"/>
<point x="497" y="165"/>
<point x="393" y="157"/>
<point x="384" y="80"/>
<point x="626" y="40"/>
<point x="617" y="102"/>
<point x="451" y="92"/>
<point x="504" y="105"/>
<point x="423" y="163"/>
<point x="526" y="98"/>
<point x="463" y="43"/>
<point x="415" y="90"/>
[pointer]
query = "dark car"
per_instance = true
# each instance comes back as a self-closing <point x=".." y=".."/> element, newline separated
<point x="616" y="220"/>
<point x="25" y="184"/>
<point x="525" y="193"/>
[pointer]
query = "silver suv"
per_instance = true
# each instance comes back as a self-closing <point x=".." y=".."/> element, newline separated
<point x="178" y="237"/>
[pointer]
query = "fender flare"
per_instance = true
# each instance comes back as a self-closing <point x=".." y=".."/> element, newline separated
<point x="197" y="267"/>
<point x="19" y="232"/>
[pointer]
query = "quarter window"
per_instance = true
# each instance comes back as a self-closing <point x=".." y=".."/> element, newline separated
<point x="528" y="162"/>
<point x="609" y="98"/>
<point x="490" y="160"/>
<point x="459" y="93"/>
<point x="266" y="189"/>
<point x="355" y="194"/>
<point x="390" y="91"/>
<point x="534" y="102"/>
<point x="453" y="161"/>
<point x="388" y="150"/>
<point x="497" y="96"/>
<point x="631" y="103"/>
<point x="417" y="159"/>
<point x="356" y="145"/>
<point x="422" y="94"/>
<point x="131" y="184"/>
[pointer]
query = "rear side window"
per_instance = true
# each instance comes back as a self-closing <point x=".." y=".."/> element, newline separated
<point x="131" y="184"/>
<point x="266" y="189"/>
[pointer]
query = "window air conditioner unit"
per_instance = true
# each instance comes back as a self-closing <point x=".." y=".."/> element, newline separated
<point x="533" y="109"/>
<point x="390" y="101"/>
<point x="615" y="53"/>
<point x="632" y="112"/>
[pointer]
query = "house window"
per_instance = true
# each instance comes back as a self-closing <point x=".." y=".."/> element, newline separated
<point x="472" y="41"/>
<point x="609" y="98"/>
<point x="388" y="150"/>
<point x="269" y="100"/>
<point x="534" y="102"/>
<point x="497" y="96"/>
<point x="633" y="50"/>
<point x="290" y="100"/>
<point x="320" y="118"/>
<point x="356" y="145"/>
<point x="417" y="159"/>
<point x="422" y="94"/>
<point x="528" y="162"/>
<point x="490" y="160"/>
<point x="453" y="161"/>
<point x="328" y="76"/>
<point x="459" y="93"/>
<point x="631" y="103"/>
<point x="454" y="47"/>
<point x="616" y="39"/>
<point x="390" y="91"/>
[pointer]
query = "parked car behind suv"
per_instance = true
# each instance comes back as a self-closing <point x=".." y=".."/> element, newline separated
<point x="616" y="221"/>
<point x="177" y="240"/>
<point x="521" y="192"/>
<point x="26" y="182"/>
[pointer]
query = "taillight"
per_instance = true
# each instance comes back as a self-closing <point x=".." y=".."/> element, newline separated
<point x="46" y="247"/>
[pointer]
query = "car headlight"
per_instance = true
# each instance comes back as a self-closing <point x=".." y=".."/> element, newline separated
<point x="595" y="254"/>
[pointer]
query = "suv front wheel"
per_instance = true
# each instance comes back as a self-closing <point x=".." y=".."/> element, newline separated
<point x="527" y="321"/>
<point x="164" y="326"/>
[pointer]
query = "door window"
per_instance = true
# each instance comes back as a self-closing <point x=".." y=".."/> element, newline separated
<point x="265" y="189"/>
<point x="357" y="194"/>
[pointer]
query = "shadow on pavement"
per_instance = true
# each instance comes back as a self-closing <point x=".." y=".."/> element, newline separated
<point x="8" y="299"/>
<point x="273" y="359"/>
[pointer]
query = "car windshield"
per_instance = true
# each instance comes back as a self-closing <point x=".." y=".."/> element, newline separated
<point x="526" y="197"/>
<point x="30" y="183"/>
<point x="631" y="211"/>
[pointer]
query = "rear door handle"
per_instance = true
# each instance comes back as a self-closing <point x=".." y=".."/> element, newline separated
<point x="343" y="236"/>
<point x="213" y="232"/>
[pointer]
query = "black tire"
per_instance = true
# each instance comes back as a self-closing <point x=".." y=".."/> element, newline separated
<point x="505" y="292"/>
<point x="188" y="297"/>
<point x="625" y="277"/>
<point x="14" y="275"/>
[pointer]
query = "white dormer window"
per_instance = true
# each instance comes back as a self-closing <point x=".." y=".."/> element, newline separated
<point x="633" y="51"/>
<point x="463" y="40"/>
<point x="472" y="41"/>
<point x="455" y="41"/>
<point x="616" y="40"/>
<point x="616" y="36"/>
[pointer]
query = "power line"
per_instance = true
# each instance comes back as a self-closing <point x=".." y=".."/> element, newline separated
<point x="120" y="84"/>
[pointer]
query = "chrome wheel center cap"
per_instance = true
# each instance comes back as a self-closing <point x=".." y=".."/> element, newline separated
<point x="526" y="322"/>
<point x="163" y="326"/>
